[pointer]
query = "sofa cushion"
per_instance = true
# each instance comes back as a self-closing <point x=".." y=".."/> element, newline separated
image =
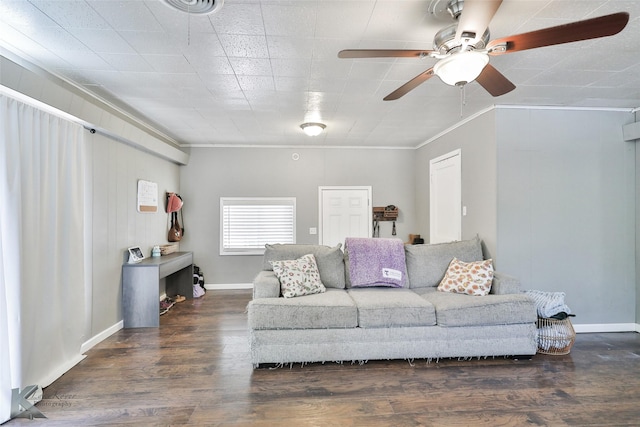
<point x="331" y="309"/>
<point x="386" y="307"/>
<point x="465" y="310"/>
<point x="330" y="260"/>
<point x="471" y="278"/>
<point x="426" y="264"/>
<point x="298" y="277"/>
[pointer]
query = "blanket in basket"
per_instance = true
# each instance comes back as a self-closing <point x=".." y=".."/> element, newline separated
<point x="548" y="303"/>
<point x="375" y="262"/>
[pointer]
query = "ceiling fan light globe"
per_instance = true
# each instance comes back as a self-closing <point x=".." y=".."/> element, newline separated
<point x="461" y="68"/>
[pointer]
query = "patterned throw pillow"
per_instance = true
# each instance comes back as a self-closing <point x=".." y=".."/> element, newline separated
<point x="298" y="277"/>
<point x="472" y="278"/>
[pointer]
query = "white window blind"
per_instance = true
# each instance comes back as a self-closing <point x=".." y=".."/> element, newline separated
<point x="247" y="224"/>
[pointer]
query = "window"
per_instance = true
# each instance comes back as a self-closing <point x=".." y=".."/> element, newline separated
<point x="247" y="224"/>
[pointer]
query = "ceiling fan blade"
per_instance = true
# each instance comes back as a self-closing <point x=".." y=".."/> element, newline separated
<point x="602" y="26"/>
<point x="475" y="18"/>
<point x="410" y="85"/>
<point x="494" y="81"/>
<point x="383" y="53"/>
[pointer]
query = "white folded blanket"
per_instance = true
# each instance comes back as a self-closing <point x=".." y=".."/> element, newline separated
<point x="548" y="303"/>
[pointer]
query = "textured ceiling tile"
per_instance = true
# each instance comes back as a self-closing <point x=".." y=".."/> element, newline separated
<point x="126" y="62"/>
<point x="84" y="60"/>
<point x="291" y="84"/>
<point x="126" y="15"/>
<point x="351" y="22"/>
<point x="293" y="19"/>
<point x="236" y="18"/>
<point x="328" y="85"/>
<point x="55" y="39"/>
<point x="102" y="40"/>
<point x="222" y="85"/>
<point x="392" y="20"/>
<point x="330" y="68"/>
<point x="244" y="46"/>
<point x="290" y="47"/>
<point x="252" y="83"/>
<point x="21" y="14"/>
<point x="205" y="45"/>
<point x="169" y="63"/>
<point x="154" y="42"/>
<point x="251" y="66"/>
<point x="291" y="67"/>
<point x="362" y="86"/>
<point x="209" y="64"/>
<point x="370" y="70"/>
<point x="71" y="14"/>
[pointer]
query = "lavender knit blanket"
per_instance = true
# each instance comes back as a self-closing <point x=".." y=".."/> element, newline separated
<point x="376" y="262"/>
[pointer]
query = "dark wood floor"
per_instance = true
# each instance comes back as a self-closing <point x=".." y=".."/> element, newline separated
<point x="195" y="370"/>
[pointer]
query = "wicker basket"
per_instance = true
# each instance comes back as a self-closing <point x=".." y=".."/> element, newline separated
<point x="168" y="249"/>
<point x="555" y="336"/>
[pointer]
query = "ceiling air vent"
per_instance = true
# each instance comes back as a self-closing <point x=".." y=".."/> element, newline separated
<point x="197" y="7"/>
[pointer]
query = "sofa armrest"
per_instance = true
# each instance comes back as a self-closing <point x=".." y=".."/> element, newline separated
<point x="266" y="285"/>
<point x="504" y="284"/>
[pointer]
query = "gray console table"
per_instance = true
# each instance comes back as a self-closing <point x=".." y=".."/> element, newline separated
<point x="141" y="286"/>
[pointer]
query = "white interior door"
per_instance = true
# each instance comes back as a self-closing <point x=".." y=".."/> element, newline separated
<point x="344" y="212"/>
<point x="445" y="198"/>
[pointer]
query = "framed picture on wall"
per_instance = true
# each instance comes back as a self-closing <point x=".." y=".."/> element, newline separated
<point x="135" y="254"/>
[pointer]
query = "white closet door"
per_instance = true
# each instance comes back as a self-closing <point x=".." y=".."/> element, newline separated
<point x="344" y="212"/>
<point x="445" y="198"/>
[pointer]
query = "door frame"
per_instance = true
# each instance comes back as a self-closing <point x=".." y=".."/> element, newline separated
<point x="455" y="153"/>
<point x="322" y="188"/>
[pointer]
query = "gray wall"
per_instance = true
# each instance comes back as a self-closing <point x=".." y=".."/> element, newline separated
<point x="477" y="141"/>
<point x="116" y="223"/>
<point x="566" y="208"/>
<point x="637" y="230"/>
<point x="257" y="172"/>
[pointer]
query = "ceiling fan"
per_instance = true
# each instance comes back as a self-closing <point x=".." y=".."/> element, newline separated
<point x="463" y="48"/>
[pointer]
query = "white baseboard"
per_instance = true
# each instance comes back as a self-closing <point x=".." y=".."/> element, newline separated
<point x="606" y="327"/>
<point x="60" y="371"/>
<point x="227" y="286"/>
<point x="88" y="345"/>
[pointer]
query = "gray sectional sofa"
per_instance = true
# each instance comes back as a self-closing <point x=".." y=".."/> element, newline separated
<point x="377" y="323"/>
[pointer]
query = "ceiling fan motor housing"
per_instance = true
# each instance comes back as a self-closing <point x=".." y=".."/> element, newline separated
<point x="454" y="7"/>
<point x="445" y="40"/>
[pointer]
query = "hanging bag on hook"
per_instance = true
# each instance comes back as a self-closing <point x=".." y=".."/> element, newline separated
<point x="175" y="231"/>
<point x="174" y="204"/>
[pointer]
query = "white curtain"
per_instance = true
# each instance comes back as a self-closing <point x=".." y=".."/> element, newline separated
<point x="42" y="194"/>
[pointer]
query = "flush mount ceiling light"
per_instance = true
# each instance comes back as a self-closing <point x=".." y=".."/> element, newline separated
<point x="461" y="68"/>
<point x="313" y="129"/>
<point x="196" y="7"/>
